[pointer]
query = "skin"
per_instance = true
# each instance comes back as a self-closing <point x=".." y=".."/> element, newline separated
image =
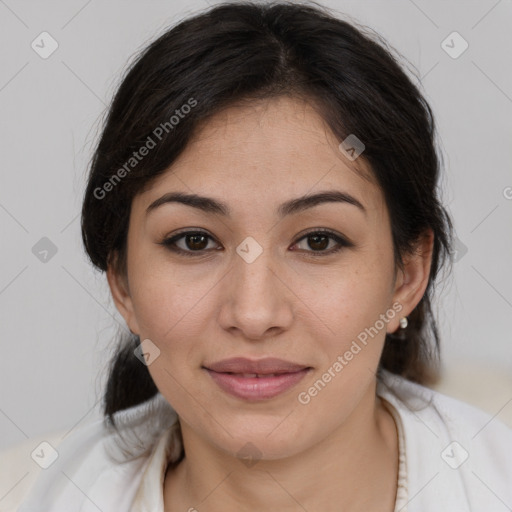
<point x="339" y="451"/>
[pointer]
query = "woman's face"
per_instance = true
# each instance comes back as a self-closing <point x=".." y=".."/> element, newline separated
<point x="252" y="284"/>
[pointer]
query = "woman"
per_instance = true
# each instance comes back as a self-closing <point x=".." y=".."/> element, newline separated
<point x="264" y="202"/>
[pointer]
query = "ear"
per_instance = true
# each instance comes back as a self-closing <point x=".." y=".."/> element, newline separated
<point x="411" y="281"/>
<point x="121" y="294"/>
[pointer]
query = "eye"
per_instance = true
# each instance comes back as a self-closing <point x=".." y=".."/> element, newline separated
<point x="192" y="242"/>
<point x="196" y="243"/>
<point x="320" y="239"/>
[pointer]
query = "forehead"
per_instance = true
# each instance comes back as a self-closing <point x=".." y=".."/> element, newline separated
<point x="266" y="149"/>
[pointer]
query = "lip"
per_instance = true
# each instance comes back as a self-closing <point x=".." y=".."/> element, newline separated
<point x="236" y="376"/>
<point x="259" y="366"/>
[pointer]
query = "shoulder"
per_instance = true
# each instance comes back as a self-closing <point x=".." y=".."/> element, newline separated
<point x="454" y="451"/>
<point x="95" y="461"/>
<point x="441" y="410"/>
<point x="20" y="466"/>
<point x="38" y="467"/>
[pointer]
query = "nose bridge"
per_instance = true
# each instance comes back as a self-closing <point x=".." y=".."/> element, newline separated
<point x="255" y="302"/>
<point x="252" y="267"/>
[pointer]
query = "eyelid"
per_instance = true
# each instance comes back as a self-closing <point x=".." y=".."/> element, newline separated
<point x="169" y="242"/>
<point x="339" y="239"/>
<point x="325" y="231"/>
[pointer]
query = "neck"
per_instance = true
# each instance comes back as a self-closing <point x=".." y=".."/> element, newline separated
<point x="354" y="468"/>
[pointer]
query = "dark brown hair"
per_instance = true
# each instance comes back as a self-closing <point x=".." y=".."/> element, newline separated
<point x="246" y="51"/>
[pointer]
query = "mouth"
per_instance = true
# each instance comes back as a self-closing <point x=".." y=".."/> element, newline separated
<point x="256" y="380"/>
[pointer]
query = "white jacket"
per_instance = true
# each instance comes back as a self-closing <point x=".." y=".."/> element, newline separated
<point x="454" y="458"/>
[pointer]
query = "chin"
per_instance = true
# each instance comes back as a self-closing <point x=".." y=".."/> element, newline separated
<point x="271" y="440"/>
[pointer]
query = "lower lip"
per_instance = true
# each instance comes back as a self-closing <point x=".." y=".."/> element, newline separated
<point x="256" y="388"/>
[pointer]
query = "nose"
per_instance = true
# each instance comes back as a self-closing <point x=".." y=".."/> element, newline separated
<point x="256" y="301"/>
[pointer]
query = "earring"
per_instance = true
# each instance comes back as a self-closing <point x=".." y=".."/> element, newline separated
<point x="404" y="322"/>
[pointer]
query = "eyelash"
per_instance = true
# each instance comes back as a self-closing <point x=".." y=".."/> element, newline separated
<point x="169" y="243"/>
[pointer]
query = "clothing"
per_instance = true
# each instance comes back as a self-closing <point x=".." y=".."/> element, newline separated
<point x="453" y="457"/>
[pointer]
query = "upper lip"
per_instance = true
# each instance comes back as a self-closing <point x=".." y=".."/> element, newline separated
<point x="261" y="366"/>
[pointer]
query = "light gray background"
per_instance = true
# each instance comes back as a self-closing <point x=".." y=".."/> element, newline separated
<point x="57" y="320"/>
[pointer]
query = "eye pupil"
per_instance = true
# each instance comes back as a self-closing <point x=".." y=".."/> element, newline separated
<point x="316" y="244"/>
<point x="197" y="241"/>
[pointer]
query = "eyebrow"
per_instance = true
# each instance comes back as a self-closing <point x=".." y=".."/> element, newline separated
<point x="210" y="205"/>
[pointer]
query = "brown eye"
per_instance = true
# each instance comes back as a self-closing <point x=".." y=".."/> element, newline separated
<point x="318" y="242"/>
<point x="188" y="243"/>
<point x="196" y="242"/>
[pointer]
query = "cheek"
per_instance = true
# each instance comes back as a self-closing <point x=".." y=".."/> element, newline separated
<point x="356" y="310"/>
<point x="169" y="298"/>
<point x="174" y="302"/>
<point x="174" y="308"/>
<point x="354" y="302"/>
<point x="170" y="310"/>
